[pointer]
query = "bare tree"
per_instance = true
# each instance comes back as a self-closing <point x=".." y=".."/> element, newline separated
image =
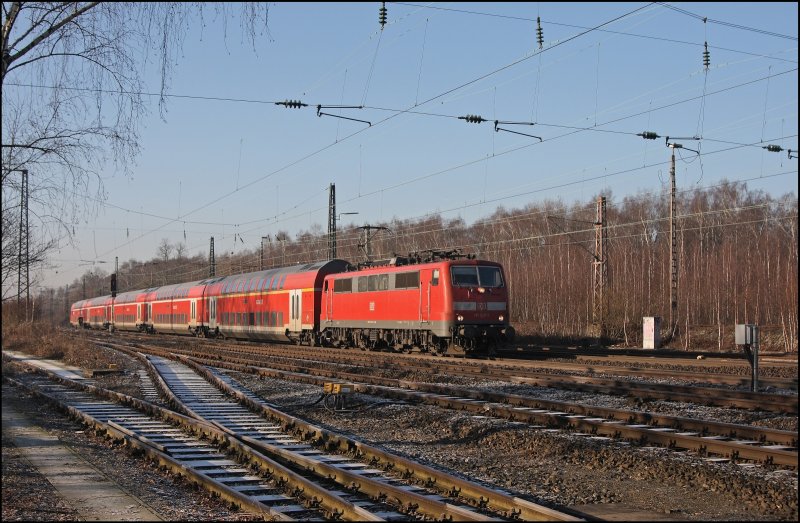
<point x="180" y="250"/>
<point x="72" y="95"/>
<point x="165" y="249"/>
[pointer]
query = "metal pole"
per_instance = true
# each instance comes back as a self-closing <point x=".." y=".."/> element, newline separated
<point x="673" y="245"/>
<point x="332" y="222"/>
<point x="212" y="262"/>
<point x="599" y="269"/>
<point x="755" y="347"/>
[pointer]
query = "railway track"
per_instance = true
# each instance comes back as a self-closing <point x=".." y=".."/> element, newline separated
<point x="176" y="442"/>
<point x="454" y="498"/>
<point x="723" y="440"/>
<point x="607" y="364"/>
<point x="307" y="483"/>
<point x="313" y="358"/>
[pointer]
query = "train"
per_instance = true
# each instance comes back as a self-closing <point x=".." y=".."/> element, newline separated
<point x="440" y="302"/>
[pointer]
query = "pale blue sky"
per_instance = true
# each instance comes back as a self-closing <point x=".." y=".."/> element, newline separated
<point x="254" y="168"/>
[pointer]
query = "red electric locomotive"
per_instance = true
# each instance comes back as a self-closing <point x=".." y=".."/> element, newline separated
<point x="440" y="302"/>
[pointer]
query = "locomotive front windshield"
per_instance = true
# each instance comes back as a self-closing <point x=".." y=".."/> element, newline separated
<point x="472" y="276"/>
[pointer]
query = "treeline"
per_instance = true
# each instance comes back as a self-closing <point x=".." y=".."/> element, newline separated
<point x="737" y="263"/>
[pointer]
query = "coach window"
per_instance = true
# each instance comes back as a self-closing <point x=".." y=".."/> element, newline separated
<point x="435" y="277"/>
<point x="252" y="319"/>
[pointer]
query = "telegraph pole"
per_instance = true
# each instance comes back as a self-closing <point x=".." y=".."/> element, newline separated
<point x="673" y="246"/>
<point x="673" y="237"/>
<point x="673" y="231"/>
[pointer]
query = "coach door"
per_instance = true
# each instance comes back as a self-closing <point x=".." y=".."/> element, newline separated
<point x="424" y="296"/>
<point x="295" y="309"/>
<point x="212" y="313"/>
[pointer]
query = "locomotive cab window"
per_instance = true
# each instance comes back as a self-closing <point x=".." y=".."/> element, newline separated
<point x="464" y="276"/>
<point x="490" y="277"/>
<point x="474" y="276"/>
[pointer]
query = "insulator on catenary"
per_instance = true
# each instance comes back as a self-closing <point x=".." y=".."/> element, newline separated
<point x="706" y="57"/>
<point x="293" y="104"/>
<point x="773" y="148"/>
<point x="382" y="15"/>
<point x="648" y="135"/>
<point x="472" y="118"/>
<point x="539" y="32"/>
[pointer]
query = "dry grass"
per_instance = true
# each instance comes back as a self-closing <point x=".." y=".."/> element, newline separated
<point x="47" y="341"/>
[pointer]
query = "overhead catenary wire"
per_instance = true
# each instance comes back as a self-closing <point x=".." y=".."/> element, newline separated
<point x="318" y="151"/>
<point x="607" y="131"/>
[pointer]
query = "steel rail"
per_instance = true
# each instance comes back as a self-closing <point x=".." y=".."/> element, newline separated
<point x="410" y="502"/>
<point x="319" y="499"/>
<point x="342" y="354"/>
<point x="482" y="496"/>
<point x="667" y="437"/>
<point x="709" y="396"/>
<point x="477" y="495"/>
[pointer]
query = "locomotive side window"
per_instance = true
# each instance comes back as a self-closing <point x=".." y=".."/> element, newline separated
<point x="406" y="280"/>
<point x="383" y="282"/>
<point x="363" y="283"/>
<point x="373" y="282"/>
<point x="490" y="276"/>
<point x="435" y="277"/>
<point x="343" y="285"/>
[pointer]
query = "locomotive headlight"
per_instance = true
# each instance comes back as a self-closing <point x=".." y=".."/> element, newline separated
<point x="460" y="317"/>
<point x="500" y="318"/>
